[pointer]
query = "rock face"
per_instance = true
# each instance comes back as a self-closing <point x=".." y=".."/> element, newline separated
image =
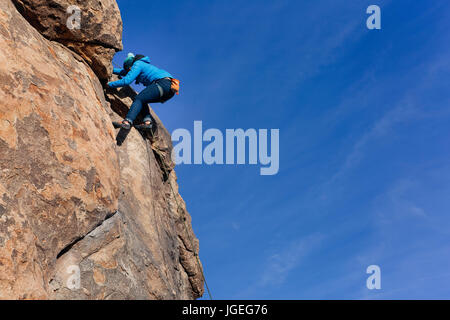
<point x="86" y="212"/>
<point x="96" y="38"/>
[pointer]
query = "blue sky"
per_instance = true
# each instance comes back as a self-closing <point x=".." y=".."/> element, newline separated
<point x="364" y="141"/>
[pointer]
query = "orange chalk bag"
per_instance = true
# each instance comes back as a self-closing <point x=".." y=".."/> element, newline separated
<point x="175" y="85"/>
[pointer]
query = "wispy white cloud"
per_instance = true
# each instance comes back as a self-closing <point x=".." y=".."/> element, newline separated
<point x="409" y="107"/>
<point x="279" y="265"/>
<point x="403" y="112"/>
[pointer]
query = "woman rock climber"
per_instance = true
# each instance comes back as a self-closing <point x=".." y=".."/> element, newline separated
<point x="161" y="86"/>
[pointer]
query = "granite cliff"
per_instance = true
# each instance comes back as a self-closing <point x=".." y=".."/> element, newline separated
<point x="86" y="211"/>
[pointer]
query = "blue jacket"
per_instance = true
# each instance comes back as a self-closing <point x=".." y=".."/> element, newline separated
<point x="141" y="71"/>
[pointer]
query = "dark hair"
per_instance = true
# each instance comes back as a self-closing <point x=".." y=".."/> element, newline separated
<point x="138" y="57"/>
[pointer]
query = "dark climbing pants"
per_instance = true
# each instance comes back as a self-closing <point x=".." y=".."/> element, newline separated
<point x="158" y="91"/>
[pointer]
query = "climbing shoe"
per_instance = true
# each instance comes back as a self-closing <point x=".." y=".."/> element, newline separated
<point x="144" y="126"/>
<point x="117" y="125"/>
<point x="125" y="124"/>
